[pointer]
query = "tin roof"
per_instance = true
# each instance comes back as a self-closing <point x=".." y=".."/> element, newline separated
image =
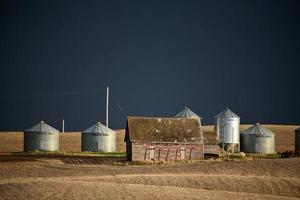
<point x="150" y="129"/>
<point x="42" y="127"/>
<point x="258" y="129"/>
<point x="99" y="129"/>
<point x="186" y="112"/>
<point x="227" y="113"/>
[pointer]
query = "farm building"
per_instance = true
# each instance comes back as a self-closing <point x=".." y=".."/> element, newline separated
<point x="297" y="140"/>
<point x="227" y="126"/>
<point x="163" y="139"/>
<point x="258" y="139"/>
<point x="41" y="137"/>
<point x="210" y="141"/>
<point x="98" y="138"/>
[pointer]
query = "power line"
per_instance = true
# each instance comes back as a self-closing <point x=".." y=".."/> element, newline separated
<point x="53" y="94"/>
<point x="118" y="106"/>
<point x="121" y="111"/>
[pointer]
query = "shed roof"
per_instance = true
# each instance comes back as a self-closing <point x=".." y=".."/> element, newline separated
<point x="186" y="112"/>
<point x="227" y="113"/>
<point x="42" y="127"/>
<point x="98" y="128"/>
<point x="150" y="129"/>
<point x="258" y="129"/>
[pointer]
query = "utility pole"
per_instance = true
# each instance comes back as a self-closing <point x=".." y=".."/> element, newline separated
<point x="63" y="125"/>
<point x="107" y="95"/>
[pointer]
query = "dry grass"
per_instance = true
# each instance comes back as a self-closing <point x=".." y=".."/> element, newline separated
<point x="71" y="141"/>
<point x="82" y="177"/>
<point x="11" y="141"/>
<point x="284" y="135"/>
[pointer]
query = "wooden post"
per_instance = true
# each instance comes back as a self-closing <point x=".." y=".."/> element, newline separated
<point x="190" y="153"/>
<point x="176" y="154"/>
<point x="167" y="154"/>
<point x="202" y="151"/>
<point x="145" y="156"/>
<point x="158" y="157"/>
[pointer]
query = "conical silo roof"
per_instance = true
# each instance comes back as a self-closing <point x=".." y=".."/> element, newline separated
<point x="227" y="113"/>
<point x="258" y="129"/>
<point x="98" y="128"/>
<point x="186" y="112"/>
<point x="42" y="127"/>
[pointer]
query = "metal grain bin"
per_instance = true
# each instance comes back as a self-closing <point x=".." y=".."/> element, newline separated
<point x="297" y="140"/>
<point x="41" y="137"/>
<point x="186" y="112"/>
<point x="227" y="126"/>
<point x="98" y="138"/>
<point x="258" y="139"/>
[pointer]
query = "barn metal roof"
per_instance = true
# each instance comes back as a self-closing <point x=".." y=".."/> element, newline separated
<point x="42" y="127"/>
<point x="258" y="129"/>
<point x="174" y="130"/>
<point x="227" y="113"/>
<point x="186" y="112"/>
<point x="98" y="128"/>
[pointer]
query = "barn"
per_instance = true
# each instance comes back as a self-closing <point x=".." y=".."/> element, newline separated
<point x="149" y="138"/>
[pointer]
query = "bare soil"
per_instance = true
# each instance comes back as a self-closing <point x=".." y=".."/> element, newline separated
<point x="94" y="177"/>
<point x="45" y="178"/>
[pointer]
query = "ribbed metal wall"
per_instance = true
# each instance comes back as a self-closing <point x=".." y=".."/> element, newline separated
<point x="297" y="140"/>
<point x="41" y="141"/>
<point x="228" y="133"/>
<point x="98" y="142"/>
<point x="228" y="130"/>
<point x="251" y="143"/>
<point x="227" y="126"/>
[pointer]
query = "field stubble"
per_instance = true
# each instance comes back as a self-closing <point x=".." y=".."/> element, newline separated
<point x="43" y="178"/>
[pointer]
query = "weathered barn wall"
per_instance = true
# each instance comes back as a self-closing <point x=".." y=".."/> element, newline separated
<point x="165" y="151"/>
<point x="212" y="149"/>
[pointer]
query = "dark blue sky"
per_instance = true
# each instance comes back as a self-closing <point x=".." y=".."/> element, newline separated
<point x="156" y="56"/>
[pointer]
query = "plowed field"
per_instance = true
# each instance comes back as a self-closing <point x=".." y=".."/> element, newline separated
<point x="94" y="177"/>
<point x="56" y="179"/>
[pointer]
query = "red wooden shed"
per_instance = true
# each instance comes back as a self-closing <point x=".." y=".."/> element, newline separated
<point x="149" y="138"/>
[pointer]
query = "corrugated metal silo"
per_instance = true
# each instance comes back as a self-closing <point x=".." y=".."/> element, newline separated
<point x="297" y="140"/>
<point x="258" y="139"/>
<point x="98" y="138"/>
<point x="41" y="137"/>
<point x="186" y="112"/>
<point x="227" y="126"/>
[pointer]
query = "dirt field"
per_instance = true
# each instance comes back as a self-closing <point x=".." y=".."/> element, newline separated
<point x="70" y="142"/>
<point x="92" y="177"/>
<point x="42" y="178"/>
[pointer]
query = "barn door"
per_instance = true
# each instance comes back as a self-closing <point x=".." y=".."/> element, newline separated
<point x="151" y="153"/>
<point x="182" y="153"/>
